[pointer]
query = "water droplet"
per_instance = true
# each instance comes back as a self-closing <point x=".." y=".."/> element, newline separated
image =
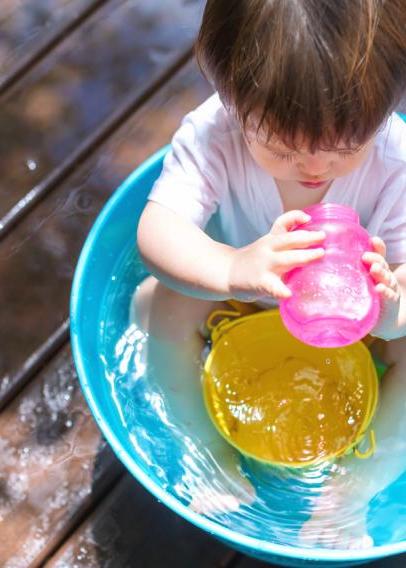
<point x="31" y="164"/>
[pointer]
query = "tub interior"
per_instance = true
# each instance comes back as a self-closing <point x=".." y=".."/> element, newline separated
<point x="151" y="439"/>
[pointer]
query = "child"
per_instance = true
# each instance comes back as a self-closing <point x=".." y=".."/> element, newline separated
<point x="306" y="89"/>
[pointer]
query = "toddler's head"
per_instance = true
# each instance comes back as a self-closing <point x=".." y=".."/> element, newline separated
<point x="306" y="76"/>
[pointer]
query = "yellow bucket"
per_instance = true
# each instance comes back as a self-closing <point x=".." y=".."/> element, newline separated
<point x="282" y="402"/>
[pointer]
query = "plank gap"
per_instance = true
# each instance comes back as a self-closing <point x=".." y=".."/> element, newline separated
<point x="11" y="386"/>
<point x="98" y="497"/>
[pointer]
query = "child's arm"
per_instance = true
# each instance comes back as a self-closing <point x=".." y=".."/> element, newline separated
<point x="183" y="257"/>
<point x="400" y="275"/>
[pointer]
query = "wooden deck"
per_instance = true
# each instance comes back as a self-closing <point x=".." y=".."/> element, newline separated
<point x="89" y="89"/>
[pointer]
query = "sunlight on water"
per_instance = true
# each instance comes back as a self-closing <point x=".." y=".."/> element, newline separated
<point x="171" y="446"/>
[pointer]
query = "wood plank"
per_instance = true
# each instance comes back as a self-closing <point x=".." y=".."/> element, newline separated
<point x="122" y="49"/>
<point x="85" y="149"/>
<point x="36" y="362"/>
<point x="38" y="258"/>
<point x="49" y="39"/>
<point x="24" y="25"/>
<point x="54" y="465"/>
<point x="130" y="529"/>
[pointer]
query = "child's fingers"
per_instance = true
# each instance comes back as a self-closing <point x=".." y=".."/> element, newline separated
<point x="383" y="276"/>
<point x="375" y="258"/>
<point x="297" y="240"/>
<point x="288" y="221"/>
<point x="379" y="245"/>
<point x="387" y="293"/>
<point x="289" y="259"/>
<point x="274" y="286"/>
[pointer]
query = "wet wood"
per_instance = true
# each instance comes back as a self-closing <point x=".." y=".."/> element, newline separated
<point x="85" y="149"/>
<point x="118" y="52"/>
<point x="35" y="362"/>
<point x="26" y="25"/>
<point x="54" y="465"/>
<point x="131" y="529"/>
<point x="57" y="32"/>
<point x="393" y="562"/>
<point x="38" y="258"/>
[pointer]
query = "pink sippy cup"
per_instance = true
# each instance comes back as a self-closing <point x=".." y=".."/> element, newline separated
<point x="333" y="302"/>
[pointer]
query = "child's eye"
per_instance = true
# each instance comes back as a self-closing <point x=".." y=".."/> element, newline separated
<point x="285" y="157"/>
<point x="346" y="154"/>
<point x="349" y="153"/>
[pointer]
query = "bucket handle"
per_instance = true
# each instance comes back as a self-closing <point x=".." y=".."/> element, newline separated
<point x="369" y="451"/>
<point x="225" y="317"/>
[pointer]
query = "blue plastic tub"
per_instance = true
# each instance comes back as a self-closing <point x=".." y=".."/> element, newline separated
<point x="113" y="230"/>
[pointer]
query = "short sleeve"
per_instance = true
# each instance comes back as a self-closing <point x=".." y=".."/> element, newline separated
<point x="193" y="174"/>
<point x="389" y="219"/>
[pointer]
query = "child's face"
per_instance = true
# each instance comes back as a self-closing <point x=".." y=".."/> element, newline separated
<point x="309" y="170"/>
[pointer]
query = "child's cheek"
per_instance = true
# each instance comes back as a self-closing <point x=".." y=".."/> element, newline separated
<point x="357" y="160"/>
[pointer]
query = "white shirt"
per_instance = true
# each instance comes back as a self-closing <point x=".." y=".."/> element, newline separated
<point x="209" y="175"/>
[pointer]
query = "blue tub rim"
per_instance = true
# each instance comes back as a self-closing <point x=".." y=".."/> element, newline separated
<point x="215" y="529"/>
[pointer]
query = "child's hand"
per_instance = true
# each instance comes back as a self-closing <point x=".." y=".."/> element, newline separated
<point x="256" y="269"/>
<point x="387" y="287"/>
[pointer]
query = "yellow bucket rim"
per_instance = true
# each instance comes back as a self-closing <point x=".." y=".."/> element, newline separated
<point x="231" y="319"/>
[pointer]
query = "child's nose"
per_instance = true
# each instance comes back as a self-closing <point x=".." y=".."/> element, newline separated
<point x="315" y="164"/>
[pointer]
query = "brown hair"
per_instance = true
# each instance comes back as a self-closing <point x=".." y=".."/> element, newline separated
<point x="328" y="70"/>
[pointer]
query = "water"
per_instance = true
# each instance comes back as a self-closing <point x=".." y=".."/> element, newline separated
<point x="173" y="449"/>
